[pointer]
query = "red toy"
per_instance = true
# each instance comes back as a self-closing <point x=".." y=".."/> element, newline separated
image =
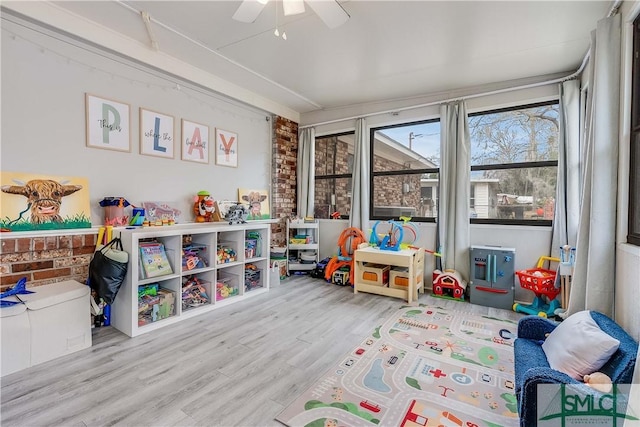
<point x="449" y="282"/>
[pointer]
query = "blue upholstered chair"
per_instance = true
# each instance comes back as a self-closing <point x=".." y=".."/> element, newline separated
<point x="532" y="368"/>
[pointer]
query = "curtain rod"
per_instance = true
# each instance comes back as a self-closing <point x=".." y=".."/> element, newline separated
<point x="459" y="98"/>
<point x="612" y="11"/>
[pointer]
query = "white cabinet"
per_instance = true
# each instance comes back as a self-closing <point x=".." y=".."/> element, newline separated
<point x="303" y="245"/>
<point x="216" y="264"/>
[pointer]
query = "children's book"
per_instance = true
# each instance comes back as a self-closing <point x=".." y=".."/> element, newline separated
<point x="154" y="259"/>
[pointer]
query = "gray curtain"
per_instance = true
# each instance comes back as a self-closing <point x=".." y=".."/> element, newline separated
<point x="359" y="216"/>
<point x="594" y="274"/>
<point x="305" y="171"/>
<point x="565" y="221"/>
<point x="454" y="205"/>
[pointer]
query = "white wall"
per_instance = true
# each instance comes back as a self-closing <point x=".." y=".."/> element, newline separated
<point x="44" y="81"/>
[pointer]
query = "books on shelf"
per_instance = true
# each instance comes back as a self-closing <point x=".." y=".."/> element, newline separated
<point x="154" y="261"/>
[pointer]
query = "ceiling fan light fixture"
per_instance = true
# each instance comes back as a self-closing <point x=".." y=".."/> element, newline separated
<point x="292" y="7"/>
<point x="276" y="33"/>
<point x="284" y="35"/>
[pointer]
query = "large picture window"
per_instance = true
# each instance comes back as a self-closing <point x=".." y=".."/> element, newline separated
<point x="333" y="170"/>
<point x="514" y="164"/>
<point x="634" y="158"/>
<point x="405" y="163"/>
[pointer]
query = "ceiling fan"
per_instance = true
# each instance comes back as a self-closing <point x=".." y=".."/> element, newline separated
<point x="330" y="11"/>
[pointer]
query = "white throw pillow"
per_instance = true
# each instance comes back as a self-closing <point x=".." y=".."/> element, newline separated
<point x="578" y="346"/>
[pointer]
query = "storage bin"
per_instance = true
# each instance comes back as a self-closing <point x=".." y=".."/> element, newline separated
<point x="195" y="292"/>
<point x="252" y="277"/>
<point x="399" y="278"/>
<point x="227" y="252"/>
<point x="375" y="274"/>
<point x="15" y="350"/>
<point x="60" y="320"/>
<point x="227" y="285"/>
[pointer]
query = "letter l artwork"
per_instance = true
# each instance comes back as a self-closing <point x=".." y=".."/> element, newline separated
<point x="156" y="137"/>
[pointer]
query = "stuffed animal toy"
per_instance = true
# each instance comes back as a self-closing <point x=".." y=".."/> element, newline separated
<point x="599" y="381"/>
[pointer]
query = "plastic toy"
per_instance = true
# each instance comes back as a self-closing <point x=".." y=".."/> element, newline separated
<point x="224" y="291"/>
<point x="193" y="256"/>
<point x="19" y="288"/>
<point x="348" y="242"/>
<point x="205" y="208"/>
<point x="193" y="293"/>
<point x="389" y="241"/>
<point x="543" y="283"/>
<point x="237" y="214"/>
<point x="449" y="283"/>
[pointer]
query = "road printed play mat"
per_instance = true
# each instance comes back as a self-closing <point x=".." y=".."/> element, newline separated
<point x="425" y="366"/>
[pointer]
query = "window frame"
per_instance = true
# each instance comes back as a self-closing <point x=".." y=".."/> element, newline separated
<point x="515" y="165"/>
<point x="335" y="175"/>
<point x="633" y="233"/>
<point x="397" y="172"/>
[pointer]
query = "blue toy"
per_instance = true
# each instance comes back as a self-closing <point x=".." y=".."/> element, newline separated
<point x="19" y="289"/>
<point x="391" y="240"/>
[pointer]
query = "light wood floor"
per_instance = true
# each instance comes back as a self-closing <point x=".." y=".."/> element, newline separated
<point x="236" y="366"/>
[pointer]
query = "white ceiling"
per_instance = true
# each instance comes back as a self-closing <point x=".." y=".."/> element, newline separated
<point x="386" y="50"/>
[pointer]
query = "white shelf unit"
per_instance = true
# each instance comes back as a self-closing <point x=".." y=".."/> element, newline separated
<point x="309" y="250"/>
<point x="124" y="310"/>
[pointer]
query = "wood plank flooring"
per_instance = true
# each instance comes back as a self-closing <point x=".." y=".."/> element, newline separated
<point x="236" y="366"/>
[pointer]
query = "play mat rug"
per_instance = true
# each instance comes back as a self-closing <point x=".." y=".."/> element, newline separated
<point x="425" y="366"/>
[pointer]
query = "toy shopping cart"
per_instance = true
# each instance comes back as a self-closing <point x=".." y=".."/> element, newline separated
<point x="543" y="283"/>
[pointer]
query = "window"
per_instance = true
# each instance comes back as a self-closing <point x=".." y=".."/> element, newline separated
<point x="514" y="164"/>
<point x="405" y="163"/>
<point x="634" y="157"/>
<point x="333" y="169"/>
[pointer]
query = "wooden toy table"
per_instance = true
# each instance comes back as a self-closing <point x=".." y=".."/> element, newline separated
<point x="410" y="258"/>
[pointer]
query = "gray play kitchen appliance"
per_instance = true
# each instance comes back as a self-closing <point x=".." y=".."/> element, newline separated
<point x="492" y="280"/>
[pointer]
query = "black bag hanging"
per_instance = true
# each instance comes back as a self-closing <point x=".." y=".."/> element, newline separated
<point x="108" y="269"/>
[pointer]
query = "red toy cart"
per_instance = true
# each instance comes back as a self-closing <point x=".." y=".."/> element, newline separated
<point x="543" y="283"/>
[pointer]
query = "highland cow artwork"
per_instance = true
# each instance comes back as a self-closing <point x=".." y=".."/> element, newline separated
<point x="43" y="202"/>
<point x="257" y="201"/>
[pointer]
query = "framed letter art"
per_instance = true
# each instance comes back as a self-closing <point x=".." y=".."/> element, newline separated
<point x="108" y="123"/>
<point x="195" y="142"/>
<point x="156" y="134"/>
<point x="226" y="148"/>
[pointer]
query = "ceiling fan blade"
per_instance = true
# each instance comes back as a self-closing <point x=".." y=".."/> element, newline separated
<point x="249" y="10"/>
<point x="292" y="7"/>
<point x="330" y="11"/>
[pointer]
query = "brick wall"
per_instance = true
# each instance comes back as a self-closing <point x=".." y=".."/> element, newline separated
<point x="389" y="189"/>
<point x="45" y="259"/>
<point x="284" y="161"/>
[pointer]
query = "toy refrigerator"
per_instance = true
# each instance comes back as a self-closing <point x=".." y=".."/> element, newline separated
<point x="492" y="272"/>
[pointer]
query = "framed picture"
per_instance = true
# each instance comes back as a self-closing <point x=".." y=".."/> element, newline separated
<point x="108" y="123"/>
<point x="226" y="148"/>
<point x="195" y="142"/>
<point x="156" y="134"/>
<point x="63" y="202"/>
<point x="258" y="202"/>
